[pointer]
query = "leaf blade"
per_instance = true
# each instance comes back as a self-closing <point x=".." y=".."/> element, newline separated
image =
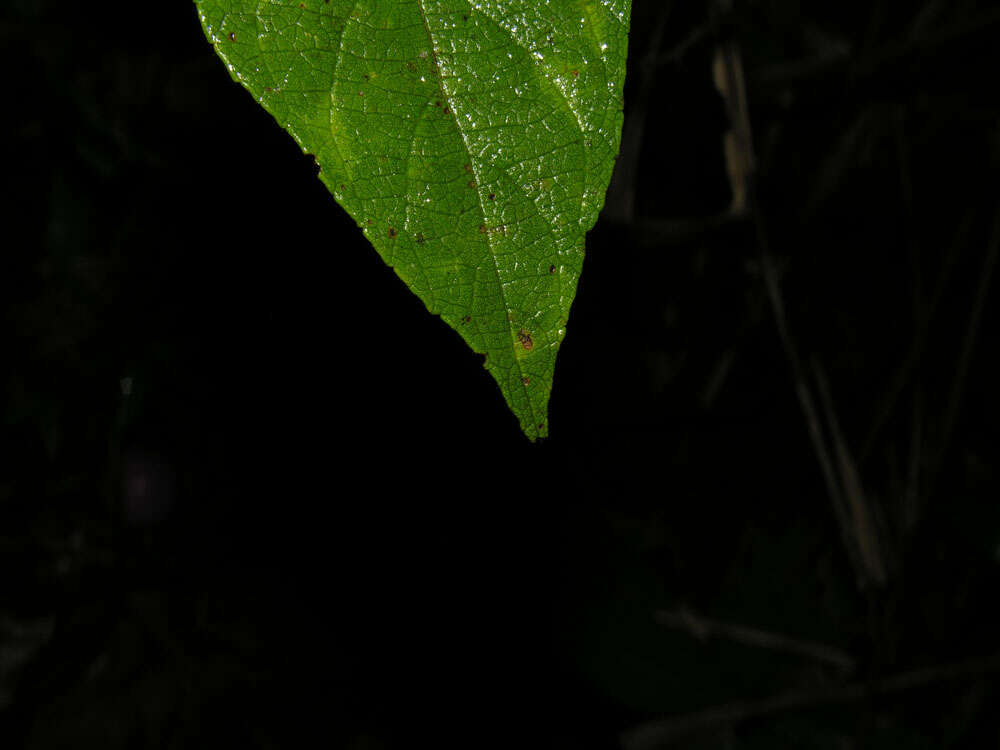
<point x="472" y="142"/>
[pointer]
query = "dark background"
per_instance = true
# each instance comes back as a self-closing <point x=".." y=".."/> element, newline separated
<point x="253" y="495"/>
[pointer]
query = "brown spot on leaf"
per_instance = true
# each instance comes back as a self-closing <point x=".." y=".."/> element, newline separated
<point x="472" y="184"/>
<point x="343" y="186"/>
<point x="492" y="196"/>
<point x="392" y="232"/>
<point x="232" y="36"/>
<point x="447" y="111"/>
<point x="302" y="6"/>
<point x="525" y="380"/>
<point x="482" y="229"/>
<point x="576" y="73"/>
<point x="467" y="167"/>
<point x="552" y="269"/>
<point x="525" y="338"/>
<point x="371" y="221"/>
<point x="466" y="319"/>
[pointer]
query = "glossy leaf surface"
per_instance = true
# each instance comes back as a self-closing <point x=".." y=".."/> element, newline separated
<point x="472" y="142"/>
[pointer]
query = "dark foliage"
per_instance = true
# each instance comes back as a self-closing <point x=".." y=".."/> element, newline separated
<point x="253" y="495"/>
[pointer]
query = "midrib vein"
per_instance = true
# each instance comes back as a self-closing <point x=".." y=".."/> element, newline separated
<point x="449" y="99"/>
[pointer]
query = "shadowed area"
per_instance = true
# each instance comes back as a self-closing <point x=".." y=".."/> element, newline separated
<point x="253" y="495"/>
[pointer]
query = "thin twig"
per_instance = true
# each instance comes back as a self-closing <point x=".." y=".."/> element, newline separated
<point x="662" y="733"/>
<point x="911" y="497"/>
<point x="968" y="347"/>
<point x="893" y="61"/>
<point x="862" y="515"/>
<point x="732" y="88"/>
<point x="803" y="394"/>
<point x="907" y="367"/>
<point x="699" y="34"/>
<point x="703" y="628"/>
<point x="657" y="234"/>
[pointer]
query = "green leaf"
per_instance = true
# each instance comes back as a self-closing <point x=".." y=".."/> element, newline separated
<point x="471" y="140"/>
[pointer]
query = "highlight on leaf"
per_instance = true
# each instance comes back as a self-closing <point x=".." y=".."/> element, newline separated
<point x="471" y="140"/>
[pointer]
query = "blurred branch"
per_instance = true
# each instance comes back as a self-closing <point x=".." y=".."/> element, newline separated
<point x="854" y="516"/>
<point x="655" y="234"/>
<point x="908" y="60"/>
<point x="809" y="411"/>
<point x="664" y="732"/>
<point x="19" y="641"/>
<point x="703" y="629"/>
<point x="741" y="164"/>
<point x="677" y="53"/>
<point x="863" y="520"/>
<point x="954" y="406"/>
<point x="906" y="368"/>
